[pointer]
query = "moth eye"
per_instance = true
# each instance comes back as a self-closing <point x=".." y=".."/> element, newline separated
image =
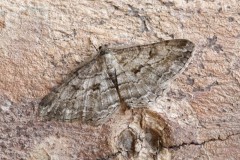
<point x="103" y="47"/>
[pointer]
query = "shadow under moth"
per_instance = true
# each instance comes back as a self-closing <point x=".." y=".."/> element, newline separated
<point x="127" y="78"/>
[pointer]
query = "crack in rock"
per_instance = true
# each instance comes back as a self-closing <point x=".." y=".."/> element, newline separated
<point x="175" y="147"/>
<point x="110" y="156"/>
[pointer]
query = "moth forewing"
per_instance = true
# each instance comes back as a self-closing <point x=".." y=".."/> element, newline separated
<point x="123" y="77"/>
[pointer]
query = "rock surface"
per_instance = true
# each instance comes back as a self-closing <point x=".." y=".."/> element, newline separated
<point x="197" y="117"/>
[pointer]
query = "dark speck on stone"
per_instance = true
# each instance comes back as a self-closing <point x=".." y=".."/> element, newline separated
<point x="212" y="41"/>
<point x="218" y="48"/>
<point x="220" y="9"/>
<point x="190" y="81"/>
<point x="230" y="19"/>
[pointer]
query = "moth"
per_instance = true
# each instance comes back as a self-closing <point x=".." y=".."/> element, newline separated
<point x="124" y="77"/>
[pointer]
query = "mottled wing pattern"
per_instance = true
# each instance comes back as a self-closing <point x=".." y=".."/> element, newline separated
<point x="89" y="95"/>
<point x="143" y="69"/>
<point x="116" y="77"/>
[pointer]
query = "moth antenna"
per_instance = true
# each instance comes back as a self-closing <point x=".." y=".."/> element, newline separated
<point x="97" y="49"/>
<point x="92" y="43"/>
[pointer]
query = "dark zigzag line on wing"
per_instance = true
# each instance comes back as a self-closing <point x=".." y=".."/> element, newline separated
<point x="89" y="86"/>
<point x="136" y="55"/>
<point x="85" y="101"/>
<point x="149" y="68"/>
<point x="130" y="95"/>
<point x="109" y="113"/>
<point x="113" y="101"/>
<point x="114" y="88"/>
<point x="149" y="64"/>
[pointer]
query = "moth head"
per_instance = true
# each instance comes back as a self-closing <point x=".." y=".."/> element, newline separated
<point x="103" y="49"/>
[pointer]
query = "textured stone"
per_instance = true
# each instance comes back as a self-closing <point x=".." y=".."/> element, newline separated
<point x="196" y="117"/>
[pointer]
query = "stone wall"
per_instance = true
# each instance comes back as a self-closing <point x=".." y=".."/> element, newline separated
<point x="197" y="117"/>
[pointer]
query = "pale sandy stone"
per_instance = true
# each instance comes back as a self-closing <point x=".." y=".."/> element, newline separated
<point x="41" y="42"/>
